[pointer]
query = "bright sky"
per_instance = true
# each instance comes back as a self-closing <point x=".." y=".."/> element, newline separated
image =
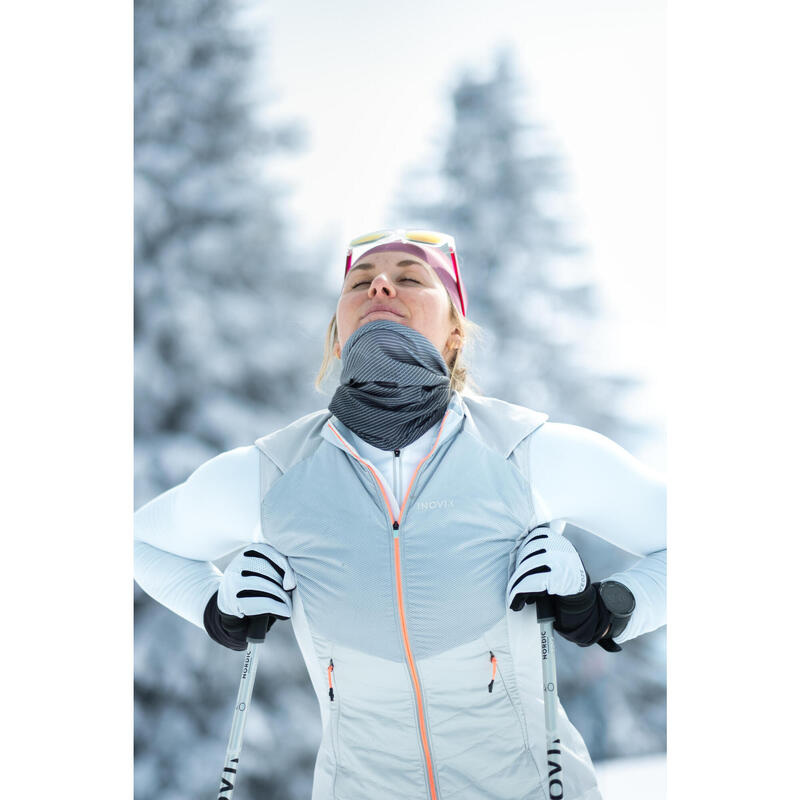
<point x="372" y="81"/>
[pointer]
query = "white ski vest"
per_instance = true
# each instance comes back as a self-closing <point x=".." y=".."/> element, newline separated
<point x="401" y="619"/>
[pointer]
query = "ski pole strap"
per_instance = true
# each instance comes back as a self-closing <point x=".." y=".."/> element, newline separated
<point x="545" y="607"/>
<point x="257" y="627"/>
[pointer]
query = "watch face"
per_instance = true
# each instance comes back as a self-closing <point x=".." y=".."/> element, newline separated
<point x="617" y="598"/>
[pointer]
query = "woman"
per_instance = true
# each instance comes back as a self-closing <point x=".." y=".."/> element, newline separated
<point x="405" y="531"/>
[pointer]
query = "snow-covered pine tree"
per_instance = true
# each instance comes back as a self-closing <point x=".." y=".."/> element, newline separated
<point x="220" y="334"/>
<point x="228" y="336"/>
<point x="498" y="186"/>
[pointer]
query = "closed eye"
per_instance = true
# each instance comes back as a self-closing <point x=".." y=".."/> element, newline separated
<point x="367" y="283"/>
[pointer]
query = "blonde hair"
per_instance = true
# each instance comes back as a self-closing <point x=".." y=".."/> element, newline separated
<point x="460" y="379"/>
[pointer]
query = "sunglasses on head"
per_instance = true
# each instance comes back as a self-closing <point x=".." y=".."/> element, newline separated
<point x="441" y="241"/>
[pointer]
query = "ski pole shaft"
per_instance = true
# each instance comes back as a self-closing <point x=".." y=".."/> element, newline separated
<point x="256" y="632"/>
<point x="545" y="612"/>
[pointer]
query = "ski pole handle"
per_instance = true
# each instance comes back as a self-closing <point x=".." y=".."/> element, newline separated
<point x="256" y="633"/>
<point x="545" y="608"/>
<point x="257" y="628"/>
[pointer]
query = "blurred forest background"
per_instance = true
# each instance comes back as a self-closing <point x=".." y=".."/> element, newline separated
<point x="230" y="313"/>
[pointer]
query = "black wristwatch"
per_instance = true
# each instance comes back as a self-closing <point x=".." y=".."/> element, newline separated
<point x="619" y="600"/>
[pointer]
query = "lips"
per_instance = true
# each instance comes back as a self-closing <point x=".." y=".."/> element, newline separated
<point x="374" y="309"/>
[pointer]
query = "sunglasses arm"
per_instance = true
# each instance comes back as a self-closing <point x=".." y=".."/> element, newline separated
<point x="458" y="279"/>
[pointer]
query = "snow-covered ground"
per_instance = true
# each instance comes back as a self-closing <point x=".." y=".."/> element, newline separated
<point x="643" y="778"/>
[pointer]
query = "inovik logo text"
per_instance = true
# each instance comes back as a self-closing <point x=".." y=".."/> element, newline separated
<point x="556" y="787"/>
<point x="430" y="505"/>
<point x="227" y="785"/>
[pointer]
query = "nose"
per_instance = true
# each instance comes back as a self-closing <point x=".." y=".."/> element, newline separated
<point x="381" y="285"/>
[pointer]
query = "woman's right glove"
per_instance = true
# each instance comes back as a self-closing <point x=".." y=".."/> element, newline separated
<point x="257" y="581"/>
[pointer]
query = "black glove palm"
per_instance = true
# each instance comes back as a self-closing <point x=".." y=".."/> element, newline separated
<point x="226" y="629"/>
<point x="584" y="619"/>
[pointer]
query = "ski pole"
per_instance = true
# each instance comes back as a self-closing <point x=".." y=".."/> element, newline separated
<point x="545" y="613"/>
<point x="256" y="633"/>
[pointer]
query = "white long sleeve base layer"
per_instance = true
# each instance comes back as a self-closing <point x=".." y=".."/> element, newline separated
<point x="580" y="477"/>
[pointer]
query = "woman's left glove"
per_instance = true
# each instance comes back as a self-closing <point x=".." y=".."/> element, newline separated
<point x="547" y="563"/>
<point x="257" y="581"/>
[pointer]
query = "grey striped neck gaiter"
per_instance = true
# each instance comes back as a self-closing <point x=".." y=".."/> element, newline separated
<point x="394" y="384"/>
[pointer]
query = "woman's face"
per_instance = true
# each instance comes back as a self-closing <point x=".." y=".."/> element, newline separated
<point x="400" y="287"/>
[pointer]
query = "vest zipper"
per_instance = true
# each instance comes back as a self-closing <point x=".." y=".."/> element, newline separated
<point x="330" y="680"/>
<point x="412" y="668"/>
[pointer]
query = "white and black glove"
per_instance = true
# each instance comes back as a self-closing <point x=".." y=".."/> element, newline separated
<point x="257" y="581"/>
<point x="548" y="563"/>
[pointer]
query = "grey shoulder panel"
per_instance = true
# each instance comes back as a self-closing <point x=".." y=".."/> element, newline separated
<point x="290" y="445"/>
<point x="499" y="424"/>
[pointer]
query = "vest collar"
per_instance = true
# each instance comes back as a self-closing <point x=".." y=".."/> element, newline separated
<point x="499" y="425"/>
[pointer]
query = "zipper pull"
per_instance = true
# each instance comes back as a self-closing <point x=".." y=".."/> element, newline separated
<point x="494" y="669"/>
<point x="330" y="681"/>
<point x="395" y="482"/>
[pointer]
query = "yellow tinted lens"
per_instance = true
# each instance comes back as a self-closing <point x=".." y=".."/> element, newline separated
<point x="368" y="237"/>
<point x="427" y="237"/>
